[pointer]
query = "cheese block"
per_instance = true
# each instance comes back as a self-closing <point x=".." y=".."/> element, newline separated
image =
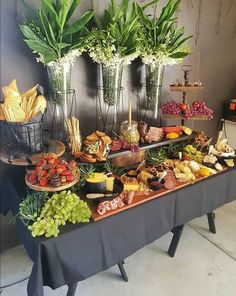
<point x="131" y="187"/>
<point x="110" y="184"/>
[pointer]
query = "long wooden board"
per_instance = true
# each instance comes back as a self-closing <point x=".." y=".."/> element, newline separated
<point x="138" y="200"/>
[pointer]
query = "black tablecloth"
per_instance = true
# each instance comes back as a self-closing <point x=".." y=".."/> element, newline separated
<point x="83" y="250"/>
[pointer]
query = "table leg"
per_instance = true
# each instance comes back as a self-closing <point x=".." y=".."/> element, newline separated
<point x="122" y="271"/>
<point x="177" y="232"/>
<point x="71" y="289"/>
<point x="211" y="222"/>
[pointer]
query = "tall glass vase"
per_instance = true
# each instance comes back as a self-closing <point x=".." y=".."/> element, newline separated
<point x="154" y="79"/>
<point x="111" y="83"/>
<point x="59" y="76"/>
<point x="63" y="106"/>
<point x="62" y="98"/>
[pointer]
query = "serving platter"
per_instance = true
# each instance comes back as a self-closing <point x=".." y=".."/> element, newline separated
<point x="51" y="146"/>
<point x="50" y="188"/>
<point x="141" y="198"/>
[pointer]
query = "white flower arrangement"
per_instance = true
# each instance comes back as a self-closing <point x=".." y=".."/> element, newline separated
<point x="160" y="57"/>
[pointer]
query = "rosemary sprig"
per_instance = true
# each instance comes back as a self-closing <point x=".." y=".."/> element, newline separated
<point x="31" y="206"/>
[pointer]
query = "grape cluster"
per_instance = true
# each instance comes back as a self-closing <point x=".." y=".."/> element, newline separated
<point x="192" y="153"/>
<point x="170" y="107"/>
<point x="62" y="207"/>
<point x="202" y="110"/>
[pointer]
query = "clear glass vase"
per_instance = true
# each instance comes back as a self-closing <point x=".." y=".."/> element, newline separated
<point x="154" y="79"/>
<point x="111" y="83"/>
<point x="63" y="107"/>
<point x="59" y="76"/>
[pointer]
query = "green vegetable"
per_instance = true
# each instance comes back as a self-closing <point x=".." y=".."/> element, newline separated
<point x="155" y="156"/>
<point x="160" y="39"/>
<point x="50" y="32"/>
<point x="31" y="206"/>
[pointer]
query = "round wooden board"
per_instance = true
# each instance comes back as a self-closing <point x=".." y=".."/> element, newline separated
<point x="54" y="146"/>
<point x="50" y="188"/>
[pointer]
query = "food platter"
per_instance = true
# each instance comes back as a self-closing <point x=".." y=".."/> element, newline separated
<point x="52" y="146"/>
<point x="142" y="198"/>
<point x="50" y="188"/>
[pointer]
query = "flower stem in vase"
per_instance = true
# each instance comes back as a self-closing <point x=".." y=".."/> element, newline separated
<point x="130" y="112"/>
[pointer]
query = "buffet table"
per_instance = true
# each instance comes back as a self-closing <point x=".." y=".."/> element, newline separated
<point x="81" y="251"/>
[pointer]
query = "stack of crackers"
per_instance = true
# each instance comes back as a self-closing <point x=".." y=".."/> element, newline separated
<point x="96" y="148"/>
<point x="21" y="107"/>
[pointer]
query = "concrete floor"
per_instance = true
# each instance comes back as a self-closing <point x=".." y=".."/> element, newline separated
<point x="204" y="265"/>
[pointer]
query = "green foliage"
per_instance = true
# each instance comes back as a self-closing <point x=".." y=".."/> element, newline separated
<point x="50" y="32"/>
<point x="110" y="168"/>
<point x="31" y="206"/>
<point x="159" y="36"/>
<point x="116" y="32"/>
<point x="155" y="156"/>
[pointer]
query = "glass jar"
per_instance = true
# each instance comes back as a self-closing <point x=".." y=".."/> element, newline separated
<point x="129" y="131"/>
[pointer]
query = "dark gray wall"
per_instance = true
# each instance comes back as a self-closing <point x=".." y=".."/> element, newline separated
<point x="213" y="60"/>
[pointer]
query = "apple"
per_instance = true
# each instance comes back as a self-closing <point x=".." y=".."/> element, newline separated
<point x="196" y="105"/>
<point x="183" y="107"/>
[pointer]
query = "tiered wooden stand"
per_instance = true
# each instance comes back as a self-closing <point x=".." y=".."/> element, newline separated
<point x="185" y="90"/>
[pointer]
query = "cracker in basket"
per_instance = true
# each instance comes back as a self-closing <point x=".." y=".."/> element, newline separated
<point x="31" y="92"/>
<point x="2" y="115"/>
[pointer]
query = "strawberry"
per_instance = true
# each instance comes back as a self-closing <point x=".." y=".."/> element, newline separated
<point x="52" y="171"/>
<point x="43" y="181"/>
<point x="32" y="177"/>
<point x="70" y="178"/>
<point x="66" y="173"/>
<point x="42" y="173"/>
<point x="39" y="163"/>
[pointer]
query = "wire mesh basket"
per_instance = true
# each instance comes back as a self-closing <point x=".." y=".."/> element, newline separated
<point x="27" y="136"/>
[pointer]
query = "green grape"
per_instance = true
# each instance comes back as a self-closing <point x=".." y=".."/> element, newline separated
<point x="62" y="207"/>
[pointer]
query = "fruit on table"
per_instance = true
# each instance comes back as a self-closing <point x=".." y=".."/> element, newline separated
<point x="171" y="107"/>
<point x="188" y="131"/>
<point x="59" y="209"/>
<point x="50" y="170"/>
<point x="196" y="105"/>
<point x="172" y="135"/>
<point x="183" y="107"/>
<point x="191" y="152"/>
<point x="204" y="172"/>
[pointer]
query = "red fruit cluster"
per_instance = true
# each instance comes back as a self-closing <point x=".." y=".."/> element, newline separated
<point x="50" y="165"/>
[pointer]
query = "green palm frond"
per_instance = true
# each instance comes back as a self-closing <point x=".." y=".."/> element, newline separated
<point x="50" y="32"/>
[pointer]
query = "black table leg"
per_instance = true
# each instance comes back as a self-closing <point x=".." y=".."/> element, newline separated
<point x="211" y="222"/>
<point x="122" y="271"/>
<point x="177" y="232"/>
<point x="71" y="289"/>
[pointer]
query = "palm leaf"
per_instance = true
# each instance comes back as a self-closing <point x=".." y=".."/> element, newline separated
<point x="50" y="9"/>
<point x="72" y="9"/>
<point x="78" y="25"/>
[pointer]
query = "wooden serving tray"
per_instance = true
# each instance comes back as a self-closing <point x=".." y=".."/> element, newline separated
<point x="54" y="146"/>
<point x="186" y="88"/>
<point x="50" y="188"/>
<point x="177" y="117"/>
<point x="138" y="200"/>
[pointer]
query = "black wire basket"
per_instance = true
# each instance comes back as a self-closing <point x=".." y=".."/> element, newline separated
<point x="28" y="137"/>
